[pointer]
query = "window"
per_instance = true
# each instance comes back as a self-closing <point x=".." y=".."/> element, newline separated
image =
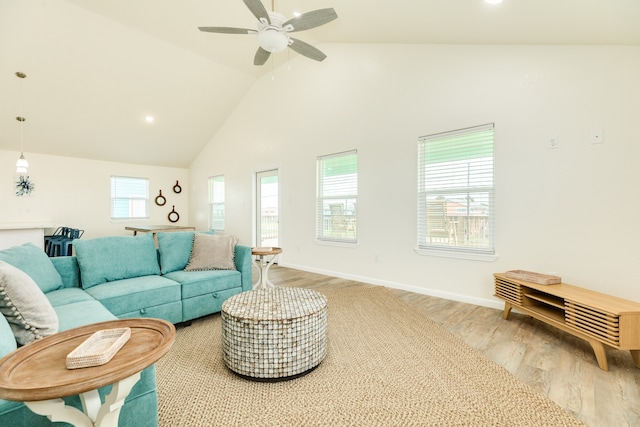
<point x="336" y="197"/>
<point x="267" y="203"/>
<point x="216" y="203"/>
<point x="129" y="197"/>
<point x="455" y="191"/>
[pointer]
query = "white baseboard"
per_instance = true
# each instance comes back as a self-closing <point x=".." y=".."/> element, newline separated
<point x="395" y="285"/>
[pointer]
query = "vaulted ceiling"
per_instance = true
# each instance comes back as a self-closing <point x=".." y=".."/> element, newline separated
<point x="96" y="68"/>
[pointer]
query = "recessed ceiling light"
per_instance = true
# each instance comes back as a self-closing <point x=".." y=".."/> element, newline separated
<point x="493" y="1"/>
<point x="297" y="14"/>
<point x="149" y="119"/>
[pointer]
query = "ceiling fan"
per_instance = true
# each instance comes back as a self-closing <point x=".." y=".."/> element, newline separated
<point x="273" y="31"/>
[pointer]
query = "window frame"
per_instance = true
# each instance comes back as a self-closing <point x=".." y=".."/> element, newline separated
<point x="477" y="235"/>
<point x="213" y="204"/>
<point x="131" y="201"/>
<point x="345" y="195"/>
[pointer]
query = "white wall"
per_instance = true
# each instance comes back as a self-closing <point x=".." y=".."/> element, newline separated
<point x="571" y="210"/>
<point x="77" y="193"/>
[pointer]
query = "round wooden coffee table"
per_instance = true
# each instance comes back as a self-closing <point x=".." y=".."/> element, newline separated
<point x="37" y="375"/>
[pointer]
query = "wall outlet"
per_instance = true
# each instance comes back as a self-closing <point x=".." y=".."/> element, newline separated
<point x="597" y="136"/>
<point x="553" y="143"/>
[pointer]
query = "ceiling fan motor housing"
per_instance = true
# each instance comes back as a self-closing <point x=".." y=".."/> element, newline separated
<point x="271" y="37"/>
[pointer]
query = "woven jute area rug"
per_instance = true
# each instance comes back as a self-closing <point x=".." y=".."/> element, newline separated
<point x="387" y="365"/>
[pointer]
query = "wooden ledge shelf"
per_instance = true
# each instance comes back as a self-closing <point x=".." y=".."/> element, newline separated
<point x="602" y="320"/>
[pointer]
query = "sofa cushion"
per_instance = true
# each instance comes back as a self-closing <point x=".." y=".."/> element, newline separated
<point x="7" y="340"/>
<point x="106" y="259"/>
<point x="174" y="248"/>
<point x="68" y="268"/>
<point x="65" y="296"/>
<point x="82" y="313"/>
<point x="196" y="283"/>
<point x="33" y="261"/>
<point x="128" y="295"/>
<point x="27" y="309"/>
<point x="212" y="252"/>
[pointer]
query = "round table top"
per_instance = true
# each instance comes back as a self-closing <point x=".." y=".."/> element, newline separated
<point x="266" y="251"/>
<point x="38" y="370"/>
<point x="274" y="304"/>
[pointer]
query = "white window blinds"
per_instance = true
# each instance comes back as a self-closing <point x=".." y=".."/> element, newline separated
<point x="455" y="190"/>
<point x="216" y="203"/>
<point x="129" y="197"/>
<point x="337" y="197"/>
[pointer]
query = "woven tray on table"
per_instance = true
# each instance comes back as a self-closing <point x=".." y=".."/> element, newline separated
<point x="98" y="349"/>
<point x="530" y="276"/>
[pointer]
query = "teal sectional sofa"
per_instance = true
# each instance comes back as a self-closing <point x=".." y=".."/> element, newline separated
<point x="122" y="277"/>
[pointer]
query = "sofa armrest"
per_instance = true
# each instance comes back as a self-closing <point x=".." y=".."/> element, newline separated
<point x="244" y="266"/>
<point x="69" y="270"/>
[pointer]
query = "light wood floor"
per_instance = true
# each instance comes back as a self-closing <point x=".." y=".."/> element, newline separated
<point x="553" y="362"/>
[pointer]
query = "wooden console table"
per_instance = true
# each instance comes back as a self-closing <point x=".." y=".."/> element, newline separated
<point x="155" y="229"/>
<point x="37" y="374"/>
<point x="603" y="320"/>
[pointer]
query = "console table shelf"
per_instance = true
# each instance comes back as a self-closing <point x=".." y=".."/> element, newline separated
<point x="602" y="320"/>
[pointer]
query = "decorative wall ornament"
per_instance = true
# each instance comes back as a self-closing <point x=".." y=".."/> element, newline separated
<point x="24" y="185"/>
<point x="177" y="188"/>
<point x="173" y="215"/>
<point x="160" y="200"/>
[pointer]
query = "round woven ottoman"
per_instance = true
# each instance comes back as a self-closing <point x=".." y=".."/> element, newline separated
<point x="274" y="333"/>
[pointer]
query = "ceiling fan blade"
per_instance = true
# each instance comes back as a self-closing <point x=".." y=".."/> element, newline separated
<point x="257" y="8"/>
<point x="227" y="30"/>
<point x="311" y="19"/>
<point x="307" y="50"/>
<point x="261" y="56"/>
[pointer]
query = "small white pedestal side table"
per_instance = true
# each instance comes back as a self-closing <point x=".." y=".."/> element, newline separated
<point x="37" y="374"/>
<point x="264" y="264"/>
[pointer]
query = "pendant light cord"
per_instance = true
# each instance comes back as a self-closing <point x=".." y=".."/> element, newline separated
<point x="21" y="165"/>
<point x="21" y="118"/>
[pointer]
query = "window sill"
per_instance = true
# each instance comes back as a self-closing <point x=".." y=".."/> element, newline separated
<point x="457" y="254"/>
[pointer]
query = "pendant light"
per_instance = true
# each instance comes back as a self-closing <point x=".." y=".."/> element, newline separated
<point x="22" y="164"/>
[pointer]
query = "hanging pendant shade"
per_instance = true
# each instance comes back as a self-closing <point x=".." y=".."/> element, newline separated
<point x="22" y="164"/>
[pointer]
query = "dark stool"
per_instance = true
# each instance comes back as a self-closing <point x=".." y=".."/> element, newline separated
<point x="61" y="244"/>
<point x="48" y="240"/>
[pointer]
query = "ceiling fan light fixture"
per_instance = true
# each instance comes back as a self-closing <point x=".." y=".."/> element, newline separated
<point x="272" y="40"/>
<point x="273" y="30"/>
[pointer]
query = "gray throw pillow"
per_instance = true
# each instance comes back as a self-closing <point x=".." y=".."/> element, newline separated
<point x="25" y="307"/>
<point x="212" y="252"/>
